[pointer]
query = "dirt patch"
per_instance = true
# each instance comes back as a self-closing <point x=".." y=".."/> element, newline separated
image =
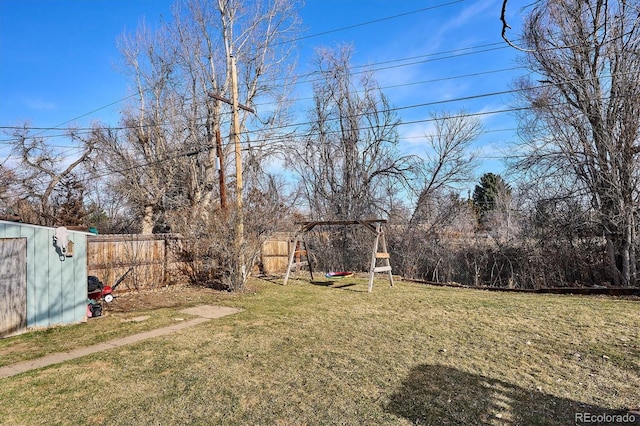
<point x="173" y="296"/>
<point x="165" y="297"/>
<point x="18" y="348"/>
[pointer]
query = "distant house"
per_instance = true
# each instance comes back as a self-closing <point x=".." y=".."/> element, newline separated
<point x="43" y="277"/>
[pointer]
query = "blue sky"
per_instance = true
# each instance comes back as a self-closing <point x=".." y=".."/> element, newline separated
<point x="59" y="60"/>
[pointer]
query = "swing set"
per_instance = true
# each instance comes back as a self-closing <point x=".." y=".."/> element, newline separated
<point x="299" y="248"/>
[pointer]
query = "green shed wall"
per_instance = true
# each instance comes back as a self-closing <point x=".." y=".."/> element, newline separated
<point x="56" y="288"/>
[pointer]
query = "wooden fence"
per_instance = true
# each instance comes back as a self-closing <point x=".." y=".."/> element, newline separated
<point x="155" y="259"/>
<point x="275" y="254"/>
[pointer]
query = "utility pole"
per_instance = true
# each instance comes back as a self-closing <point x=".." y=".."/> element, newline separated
<point x="223" y="186"/>
<point x="239" y="240"/>
<point x="235" y="137"/>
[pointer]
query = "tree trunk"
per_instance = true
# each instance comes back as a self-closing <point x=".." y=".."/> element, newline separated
<point x="147" y="220"/>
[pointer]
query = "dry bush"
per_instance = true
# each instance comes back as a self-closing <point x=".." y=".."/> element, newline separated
<point x="213" y="255"/>
<point x="340" y="248"/>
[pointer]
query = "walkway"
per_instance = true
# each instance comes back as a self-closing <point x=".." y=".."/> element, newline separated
<point x="204" y="313"/>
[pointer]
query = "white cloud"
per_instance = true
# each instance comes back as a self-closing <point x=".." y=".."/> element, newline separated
<point x="468" y="18"/>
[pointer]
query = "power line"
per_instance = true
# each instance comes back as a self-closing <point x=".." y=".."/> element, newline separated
<point x="87" y="129"/>
<point x="277" y="139"/>
<point x="448" y="78"/>
<point x="395" y="109"/>
<point x="433" y="57"/>
<point x="402" y="62"/>
<point x="445" y="101"/>
<point x="80" y="116"/>
<point x="307" y="123"/>
<point x="387" y="18"/>
<point x="499" y="45"/>
<point x="375" y="21"/>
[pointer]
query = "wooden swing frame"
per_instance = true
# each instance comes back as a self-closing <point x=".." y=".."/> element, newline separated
<point x="372" y="225"/>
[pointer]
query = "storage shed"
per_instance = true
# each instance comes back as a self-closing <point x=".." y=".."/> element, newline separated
<point x="43" y="277"/>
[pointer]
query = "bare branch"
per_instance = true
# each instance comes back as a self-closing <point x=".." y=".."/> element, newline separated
<point x="506" y="26"/>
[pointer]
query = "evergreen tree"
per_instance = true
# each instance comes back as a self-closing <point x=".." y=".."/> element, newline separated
<point x="490" y="194"/>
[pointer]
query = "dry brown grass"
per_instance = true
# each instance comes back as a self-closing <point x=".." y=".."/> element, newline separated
<point x="334" y="354"/>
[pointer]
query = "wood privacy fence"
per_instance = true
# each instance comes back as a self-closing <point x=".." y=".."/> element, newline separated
<point x="155" y="259"/>
<point x="275" y="254"/>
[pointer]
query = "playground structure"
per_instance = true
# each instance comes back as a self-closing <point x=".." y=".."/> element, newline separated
<point x="299" y="247"/>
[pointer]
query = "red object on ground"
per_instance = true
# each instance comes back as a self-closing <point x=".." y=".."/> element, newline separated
<point x="339" y="274"/>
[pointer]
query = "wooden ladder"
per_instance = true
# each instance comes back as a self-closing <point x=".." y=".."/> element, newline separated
<point x="379" y="242"/>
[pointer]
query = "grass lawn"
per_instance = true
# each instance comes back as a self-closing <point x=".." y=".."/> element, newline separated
<point x="334" y="354"/>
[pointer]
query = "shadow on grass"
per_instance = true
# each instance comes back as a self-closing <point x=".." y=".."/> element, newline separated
<point x="344" y="285"/>
<point x="334" y="284"/>
<point x="440" y="395"/>
<point x="321" y="283"/>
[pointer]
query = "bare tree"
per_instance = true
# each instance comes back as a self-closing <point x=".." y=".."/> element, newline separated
<point x="167" y="153"/>
<point x="49" y="183"/>
<point x="184" y="75"/>
<point x="258" y="37"/>
<point x="7" y="188"/>
<point x="560" y="236"/>
<point x="439" y="215"/>
<point x="109" y="211"/>
<point x="585" y="118"/>
<point x="449" y="160"/>
<point x="210" y="257"/>
<point x="348" y="161"/>
<point x="349" y="155"/>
